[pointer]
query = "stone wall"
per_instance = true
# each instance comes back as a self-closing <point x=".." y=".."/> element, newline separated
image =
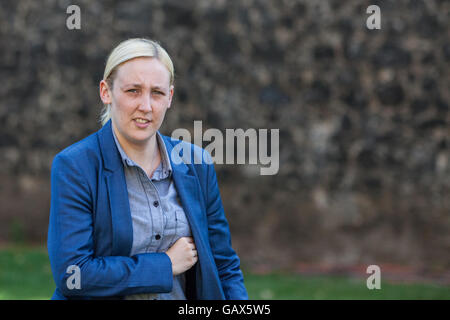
<point x="363" y="116"/>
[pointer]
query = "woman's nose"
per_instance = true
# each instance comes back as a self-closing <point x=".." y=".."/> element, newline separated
<point x="145" y="105"/>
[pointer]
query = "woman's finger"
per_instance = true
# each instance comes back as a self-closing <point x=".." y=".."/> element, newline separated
<point x="190" y="239"/>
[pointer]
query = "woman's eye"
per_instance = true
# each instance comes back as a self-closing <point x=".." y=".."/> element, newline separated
<point x="132" y="90"/>
<point x="158" y="92"/>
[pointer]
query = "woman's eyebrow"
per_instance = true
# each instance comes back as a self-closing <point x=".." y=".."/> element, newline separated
<point x="138" y="85"/>
<point x="131" y="85"/>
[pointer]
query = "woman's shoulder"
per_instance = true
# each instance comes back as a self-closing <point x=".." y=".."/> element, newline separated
<point x="85" y="149"/>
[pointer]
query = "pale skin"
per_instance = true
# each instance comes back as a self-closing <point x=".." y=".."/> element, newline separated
<point x="140" y="95"/>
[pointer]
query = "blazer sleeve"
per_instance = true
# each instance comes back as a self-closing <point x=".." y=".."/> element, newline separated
<point x="71" y="243"/>
<point x="226" y="259"/>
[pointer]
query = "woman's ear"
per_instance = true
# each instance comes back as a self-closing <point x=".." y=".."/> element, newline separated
<point x="171" y="90"/>
<point x="105" y="93"/>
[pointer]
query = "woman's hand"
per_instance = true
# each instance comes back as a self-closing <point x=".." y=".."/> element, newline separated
<point x="183" y="255"/>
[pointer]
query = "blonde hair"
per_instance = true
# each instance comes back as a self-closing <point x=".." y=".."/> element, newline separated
<point x="127" y="50"/>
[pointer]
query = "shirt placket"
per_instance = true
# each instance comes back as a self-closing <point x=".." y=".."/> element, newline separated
<point x="155" y="211"/>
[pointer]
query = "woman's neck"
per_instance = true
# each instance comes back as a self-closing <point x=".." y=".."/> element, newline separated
<point x="146" y="155"/>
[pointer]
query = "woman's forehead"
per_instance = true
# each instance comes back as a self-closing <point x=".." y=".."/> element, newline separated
<point x="144" y="70"/>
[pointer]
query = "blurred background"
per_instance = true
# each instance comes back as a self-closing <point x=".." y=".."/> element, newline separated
<point x="363" y="117"/>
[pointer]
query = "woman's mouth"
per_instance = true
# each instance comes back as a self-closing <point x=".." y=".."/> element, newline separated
<point x="141" y="123"/>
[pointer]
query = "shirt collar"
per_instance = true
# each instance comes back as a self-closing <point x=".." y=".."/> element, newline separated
<point x="166" y="166"/>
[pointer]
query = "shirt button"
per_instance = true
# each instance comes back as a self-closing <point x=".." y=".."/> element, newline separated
<point x="157" y="237"/>
<point x="156" y="204"/>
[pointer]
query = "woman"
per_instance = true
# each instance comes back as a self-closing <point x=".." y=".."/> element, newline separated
<point x="126" y="221"/>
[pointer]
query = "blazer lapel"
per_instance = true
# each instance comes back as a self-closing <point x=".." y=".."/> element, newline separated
<point x="122" y="228"/>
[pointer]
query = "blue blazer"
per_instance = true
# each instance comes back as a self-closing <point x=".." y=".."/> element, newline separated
<point x="90" y="227"/>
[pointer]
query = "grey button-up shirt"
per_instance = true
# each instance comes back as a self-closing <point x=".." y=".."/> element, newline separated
<point x="157" y="215"/>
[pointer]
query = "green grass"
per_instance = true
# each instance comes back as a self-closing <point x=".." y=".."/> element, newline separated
<point x="25" y="274"/>
<point x="298" y="287"/>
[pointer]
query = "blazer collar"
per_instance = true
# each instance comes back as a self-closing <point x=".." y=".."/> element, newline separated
<point x="110" y="154"/>
<point x="112" y="159"/>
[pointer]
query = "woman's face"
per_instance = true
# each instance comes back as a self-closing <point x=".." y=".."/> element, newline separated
<point x="140" y="96"/>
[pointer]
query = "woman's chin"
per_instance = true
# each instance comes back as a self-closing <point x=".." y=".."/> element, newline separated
<point x="141" y="137"/>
